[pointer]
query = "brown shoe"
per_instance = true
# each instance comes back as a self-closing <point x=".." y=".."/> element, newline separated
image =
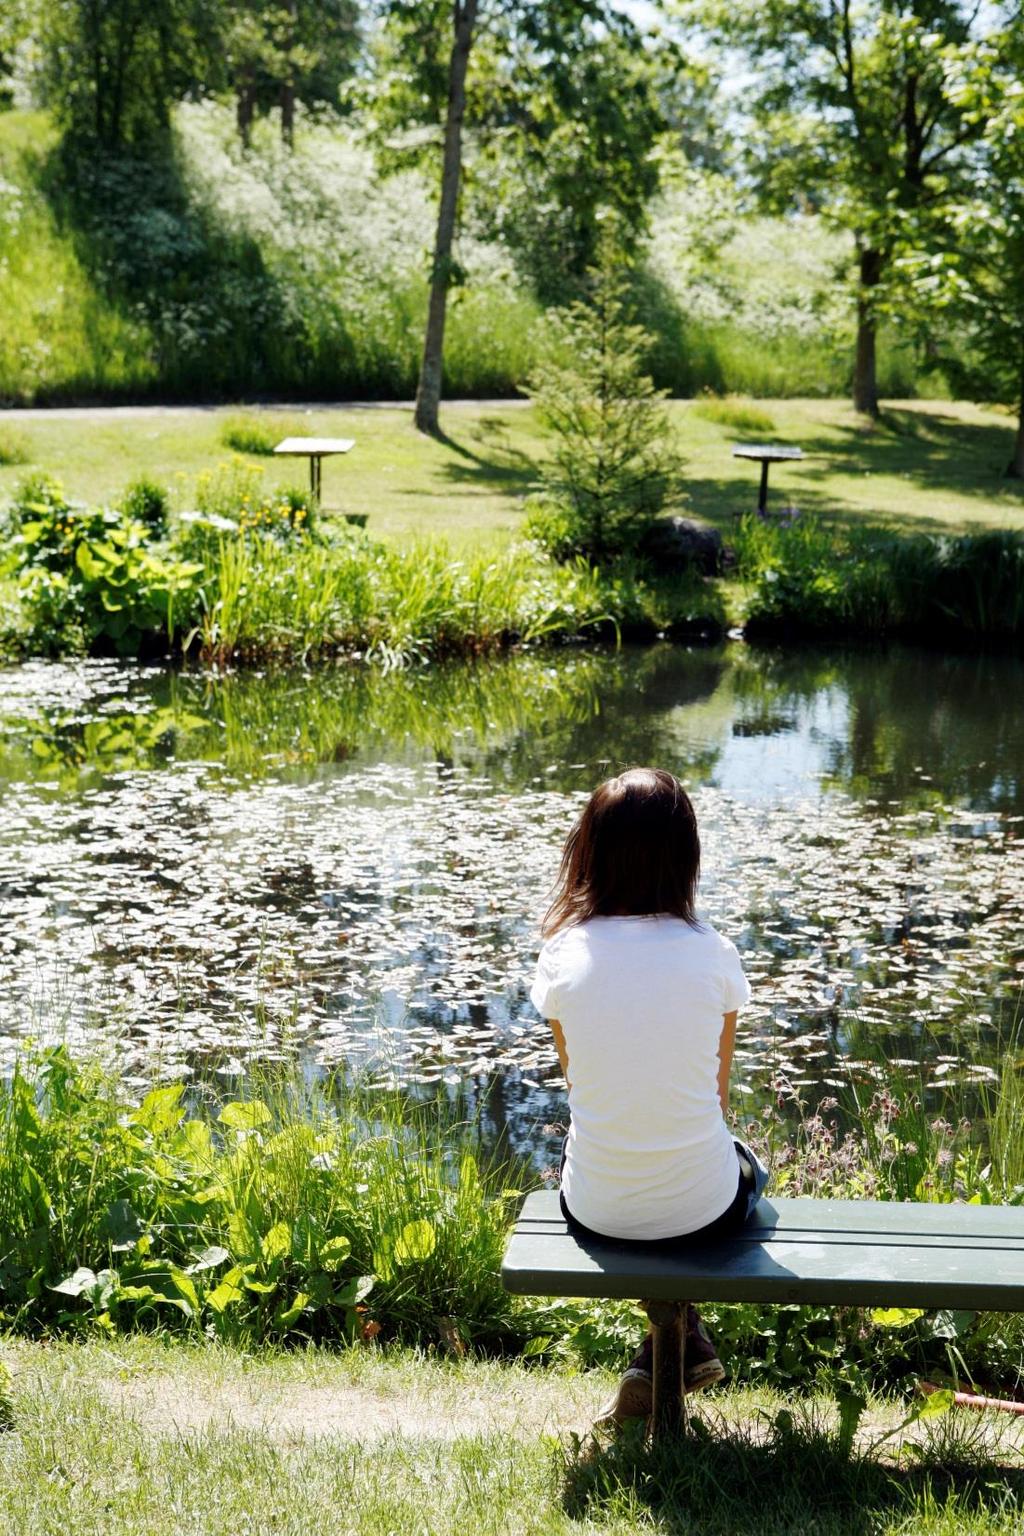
<point x="701" y="1367"/>
<point x="633" y="1398"/>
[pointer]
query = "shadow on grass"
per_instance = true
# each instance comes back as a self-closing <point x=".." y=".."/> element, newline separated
<point x="486" y="459"/>
<point x="931" y="450"/>
<point x="767" y="1479"/>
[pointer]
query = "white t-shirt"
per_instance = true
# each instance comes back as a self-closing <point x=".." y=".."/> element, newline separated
<point x="641" y="1002"/>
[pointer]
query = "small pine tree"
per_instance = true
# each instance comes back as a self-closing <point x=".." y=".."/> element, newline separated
<point x="614" y="466"/>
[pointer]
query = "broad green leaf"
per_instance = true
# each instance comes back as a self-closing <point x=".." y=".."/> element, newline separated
<point x="896" y="1317"/>
<point x="183" y="1285"/>
<point x="936" y="1403"/>
<point x="245" y="1115"/>
<point x="228" y="1291"/>
<point x="288" y="1315"/>
<point x="261" y="1287"/>
<point x="536" y="1346"/>
<point x="90" y="567"/>
<point x="354" y="1291"/>
<point x="951" y="1324"/>
<point x="121" y="1226"/>
<point x="334" y="1252"/>
<point x="208" y="1259"/>
<point x="160" y="1111"/>
<point x="278" y="1242"/>
<point x="135" y="1293"/>
<point x="73" y="1285"/>
<point x="194" y="1142"/>
<point x="416" y="1243"/>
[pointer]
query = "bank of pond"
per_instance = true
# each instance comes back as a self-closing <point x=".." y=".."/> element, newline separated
<point x="254" y="578"/>
<point x="297" y="1207"/>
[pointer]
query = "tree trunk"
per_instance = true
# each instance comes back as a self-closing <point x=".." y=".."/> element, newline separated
<point x="245" y="109"/>
<point x="865" y="378"/>
<point x="428" y="394"/>
<point x="288" y="112"/>
<point x="1015" y="468"/>
<point x="288" y="83"/>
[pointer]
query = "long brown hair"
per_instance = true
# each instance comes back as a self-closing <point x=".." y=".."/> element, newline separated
<point x="633" y="852"/>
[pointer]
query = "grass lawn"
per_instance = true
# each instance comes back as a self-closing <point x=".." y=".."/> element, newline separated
<point x="932" y="466"/>
<point x="140" y="1435"/>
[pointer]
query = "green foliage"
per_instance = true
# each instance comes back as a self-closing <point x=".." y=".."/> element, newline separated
<point x="231" y="273"/>
<point x="146" y="502"/>
<point x="312" y="1213"/>
<point x="865" y="117"/>
<point x="252" y="434"/>
<point x="251" y="576"/>
<point x="112" y="72"/>
<point x="613" y="468"/>
<point x="231" y="500"/>
<point x="278" y="54"/>
<point x="740" y="415"/>
<point x="814" y="579"/>
<point x="580" y="160"/>
<point x="13" y="447"/>
<point x="326" y="1213"/>
<point x="963" y="256"/>
<point x="89" y="575"/>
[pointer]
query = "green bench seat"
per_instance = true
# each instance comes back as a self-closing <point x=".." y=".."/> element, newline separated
<point x="857" y="1253"/>
<point x="867" y="1253"/>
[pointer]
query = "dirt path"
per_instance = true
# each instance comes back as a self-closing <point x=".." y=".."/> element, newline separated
<point x="156" y="412"/>
<point x="165" y="1404"/>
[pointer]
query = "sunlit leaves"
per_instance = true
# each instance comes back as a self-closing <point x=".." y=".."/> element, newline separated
<point x="896" y="1317"/>
<point x="247" y="1116"/>
<point x="415" y="1243"/>
<point x="333" y="1253"/>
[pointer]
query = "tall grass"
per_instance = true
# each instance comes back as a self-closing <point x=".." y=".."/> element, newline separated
<point x="741" y="415"/>
<point x="813" y="579"/>
<point x="256" y="577"/>
<point x="254" y="434"/>
<point x="263" y="599"/>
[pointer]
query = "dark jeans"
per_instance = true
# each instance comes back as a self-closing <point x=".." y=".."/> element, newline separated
<point x="726" y="1225"/>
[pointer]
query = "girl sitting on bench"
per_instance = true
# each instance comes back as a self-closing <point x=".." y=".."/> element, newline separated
<point x="642" y="1000"/>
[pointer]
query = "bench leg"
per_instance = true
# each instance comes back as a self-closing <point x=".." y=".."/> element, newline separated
<point x="668" y="1330"/>
<point x="762" y="495"/>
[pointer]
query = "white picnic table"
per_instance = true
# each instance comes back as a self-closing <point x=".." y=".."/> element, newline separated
<point x="316" y="449"/>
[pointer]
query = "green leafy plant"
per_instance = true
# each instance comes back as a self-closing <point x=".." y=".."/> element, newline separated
<point x="146" y="502"/>
<point x="816" y="579"/>
<point x="321" y="1214"/>
<point x="89" y="574"/>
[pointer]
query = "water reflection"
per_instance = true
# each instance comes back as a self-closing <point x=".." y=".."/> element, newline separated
<point x="350" y="864"/>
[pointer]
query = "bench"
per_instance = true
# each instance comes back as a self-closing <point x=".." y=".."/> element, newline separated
<point x="850" y="1253"/>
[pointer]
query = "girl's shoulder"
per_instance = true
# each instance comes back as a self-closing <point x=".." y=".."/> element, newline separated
<point x="562" y="941"/>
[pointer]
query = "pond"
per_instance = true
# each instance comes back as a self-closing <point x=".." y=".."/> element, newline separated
<point x="349" y="865"/>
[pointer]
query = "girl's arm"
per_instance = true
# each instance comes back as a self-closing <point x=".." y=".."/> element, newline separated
<point x="725" y="1049"/>
<point x="556" y="1030"/>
